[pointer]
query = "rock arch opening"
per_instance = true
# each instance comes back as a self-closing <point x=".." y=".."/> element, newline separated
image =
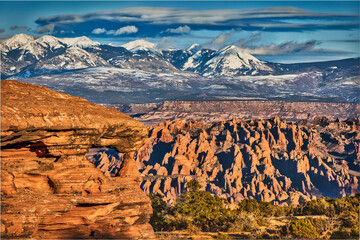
<point x="108" y="160"/>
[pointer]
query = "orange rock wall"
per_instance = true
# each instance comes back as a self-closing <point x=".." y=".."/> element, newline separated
<point x="49" y="189"/>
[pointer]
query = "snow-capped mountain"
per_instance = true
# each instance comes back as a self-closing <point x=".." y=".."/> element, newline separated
<point x="25" y="55"/>
<point x="28" y="56"/>
<point x="232" y="61"/>
<point x="196" y="61"/>
<point x="144" y="47"/>
<point x="81" y="42"/>
<point x="139" y="66"/>
<point x="16" y="41"/>
<point x="140" y="45"/>
<point x="41" y="48"/>
<point x="194" y="48"/>
<point x="73" y="58"/>
<point x="228" y="62"/>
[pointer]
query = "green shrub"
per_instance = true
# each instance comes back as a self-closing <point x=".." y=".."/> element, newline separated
<point x="341" y="205"/>
<point x="355" y="232"/>
<point x="243" y="222"/>
<point x="301" y="228"/>
<point x="314" y="207"/>
<point x="261" y="221"/>
<point x="249" y="205"/>
<point x="349" y="219"/>
<point x="158" y="218"/>
<point x="326" y="225"/>
<point x="341" y="234"/>
<point x="259" y="234"/>
<point x="205" y="210"/>
<point x="192" y="229"/>
<point x="221" y="235"/>
<point x="266" y="209"/>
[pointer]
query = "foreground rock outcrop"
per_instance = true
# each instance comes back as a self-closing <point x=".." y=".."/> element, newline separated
<point x="49" y="189"/>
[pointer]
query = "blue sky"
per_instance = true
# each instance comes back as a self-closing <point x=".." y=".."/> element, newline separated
<point x="279" y="31"/>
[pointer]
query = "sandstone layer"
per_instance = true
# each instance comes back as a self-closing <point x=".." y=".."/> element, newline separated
<point x="216" y="111"/>
<point x="269" y="160"/>
<point x="49" y="189"/>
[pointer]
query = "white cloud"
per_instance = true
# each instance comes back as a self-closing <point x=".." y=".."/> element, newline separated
<point x="165" y="43"/>
<point x="168" y="20"/>
<point x="46" y="29"/>
<point x="98" y="31"/>
<point x="120" y="31"/>
<point x="110" y="32"/>
<point x="220" y="41"/>
<point x="283" y="48"/>
<point x="181" y="29"/>
<point x="126" y="30"/>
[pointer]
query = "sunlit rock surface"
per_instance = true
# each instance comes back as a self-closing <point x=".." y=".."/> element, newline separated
<point x="49" y="189"/>
<point x="269" y="160"/>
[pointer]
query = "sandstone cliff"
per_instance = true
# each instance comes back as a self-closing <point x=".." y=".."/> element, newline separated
<point x="49" y="189"/>
<point x="269" y="160"/>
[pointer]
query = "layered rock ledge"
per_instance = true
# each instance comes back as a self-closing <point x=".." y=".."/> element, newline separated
<point x="49" y="189"/>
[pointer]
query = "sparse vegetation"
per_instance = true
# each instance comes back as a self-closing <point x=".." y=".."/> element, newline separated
<point x="197" y="211"/>
<point x="221" y="235"/>
<point x="202" y="209"/>
<point x="301" y="228"/>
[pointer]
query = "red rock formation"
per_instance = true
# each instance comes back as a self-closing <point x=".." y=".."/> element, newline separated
<point x="49" y="189"/>
<point x="268" y="160"/>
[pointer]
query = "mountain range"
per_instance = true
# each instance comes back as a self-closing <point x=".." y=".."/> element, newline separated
<point x="143" y="73"/>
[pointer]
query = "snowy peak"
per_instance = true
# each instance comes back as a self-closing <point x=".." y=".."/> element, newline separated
<point x="193" y="62"/>
<point x="24" y="53"/>
<point x="232" y="60"/>
<point x="140" y="45"/>
<point x="49" y="41"/>
<point x="16" y="41"/>
<point x="41" y="47"/>
<point x="29" y="42"/>
<point x="232" y="50"/>
<point x="194" y="48"/>
<point x="81" y="42"/>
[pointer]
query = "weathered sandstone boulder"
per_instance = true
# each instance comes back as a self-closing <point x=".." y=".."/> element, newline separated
<point x="49" y="189"/>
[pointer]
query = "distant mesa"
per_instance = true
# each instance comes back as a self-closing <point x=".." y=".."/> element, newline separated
<point x="217" y="111"/>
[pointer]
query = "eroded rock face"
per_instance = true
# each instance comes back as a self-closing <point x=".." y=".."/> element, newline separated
<point x="49" y="189"/>
<point x="269" y="160"/>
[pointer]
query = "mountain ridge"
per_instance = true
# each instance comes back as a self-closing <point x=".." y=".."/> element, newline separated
<point x="228" y="61"/>
<point x="154" y="75"/>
